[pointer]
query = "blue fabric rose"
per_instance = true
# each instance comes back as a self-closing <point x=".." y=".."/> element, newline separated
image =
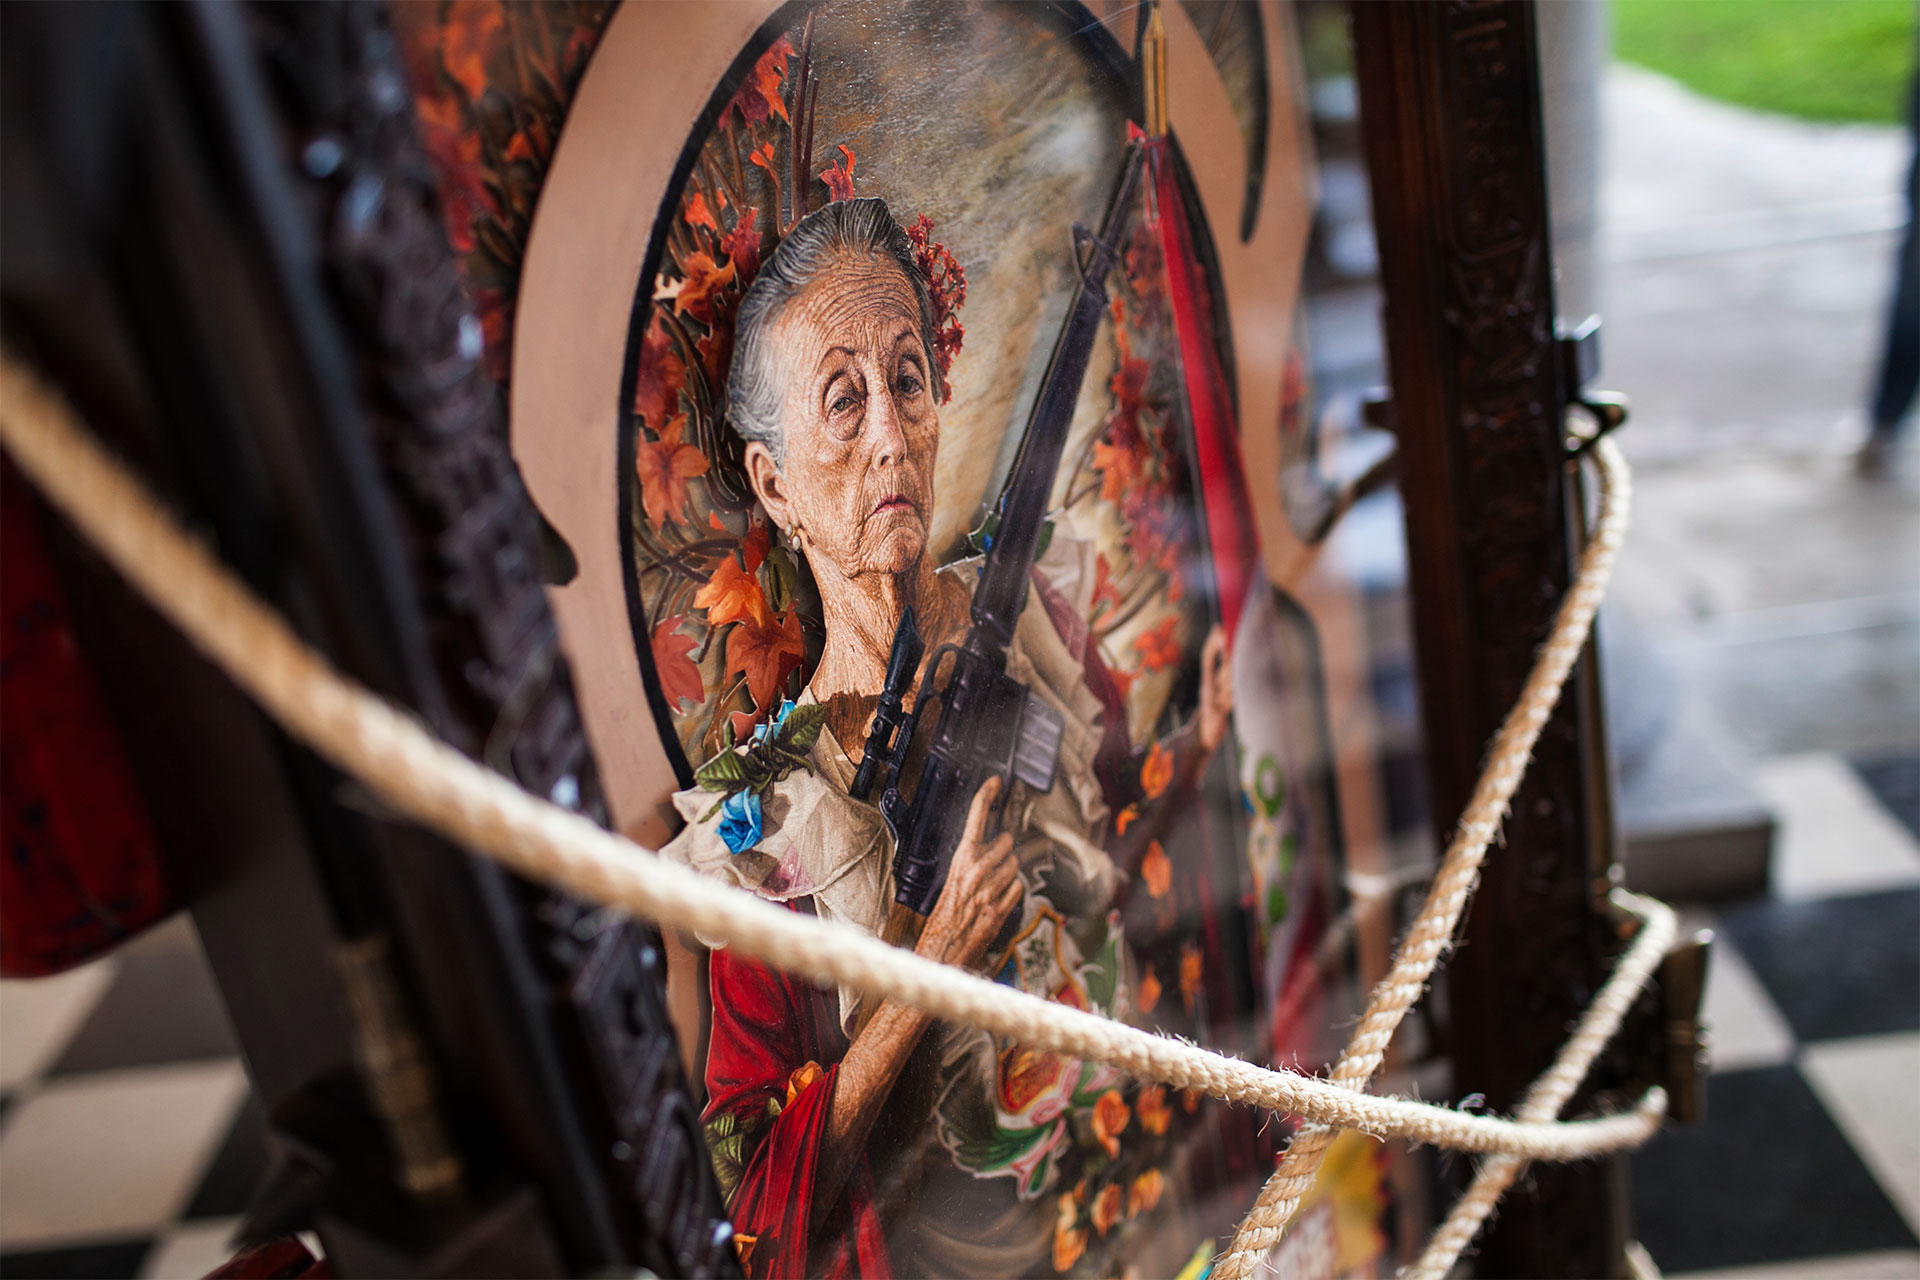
<point x="740" y="821"/>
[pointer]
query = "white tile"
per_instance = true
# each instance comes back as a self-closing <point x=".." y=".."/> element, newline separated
<point x="1834" y="837"/>
<point x="1871" y="1087"/>
<point x="112" y="1152"/>
<point x="38" y="1016"/>
<point x="191" y="1250"/>
<point x="1897" y="1265"/>
<point x="1744" y="1028"/>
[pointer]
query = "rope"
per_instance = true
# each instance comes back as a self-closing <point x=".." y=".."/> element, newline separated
<point x="389" y="752"/>
<point x="1431" y="935"/>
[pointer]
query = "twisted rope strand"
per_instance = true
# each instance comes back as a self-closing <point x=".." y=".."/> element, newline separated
<point x="1431" y="935"/>
<point x="441" y="789"/>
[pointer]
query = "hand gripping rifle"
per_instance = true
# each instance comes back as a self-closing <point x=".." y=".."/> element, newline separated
<point x="990" y="724"/>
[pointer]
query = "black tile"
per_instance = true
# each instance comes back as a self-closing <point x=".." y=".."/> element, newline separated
<point x="104" y="1260"/>
<point x="1836" y="966"/>
<point x="1765" y="1177"/>
<point x="162" y="1007"/>
<point x="1894" y="779"/>
<point x="236" y="1173"/>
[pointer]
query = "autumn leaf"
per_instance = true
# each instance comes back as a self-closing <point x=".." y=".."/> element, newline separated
<point x="704" y="279"/>
<point x="762" y="155"/>
<point x="679" y="677"/>
<point x="1156" y="870"/>
<point x="1157" y="647"/>
<point x="742" y="245"/>
<point x="665" y="465"/>
<point x="765" y="653"/>
<point x="1119" y="468"/>
<point x="1105" y="595"/>
<point x="472" y="32"/>
<point x="839" y="181"/>
<point x="753" y="547"/>
<point x="657" y="382"/>
<point x="733" y="595"/>
<point x="1156" y="771"/>
<point x="696" y="213"/>
<point x="760" y="96"/>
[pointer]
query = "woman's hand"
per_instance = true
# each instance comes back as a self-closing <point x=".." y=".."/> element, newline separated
<point x="983" y="886"/>
<point x="1216" y="691"/>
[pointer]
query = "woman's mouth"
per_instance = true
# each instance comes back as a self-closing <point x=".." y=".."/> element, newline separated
<point x="893" y="502"/>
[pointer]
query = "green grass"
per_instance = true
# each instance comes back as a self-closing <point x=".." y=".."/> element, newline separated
<point x="1816" y="59"/>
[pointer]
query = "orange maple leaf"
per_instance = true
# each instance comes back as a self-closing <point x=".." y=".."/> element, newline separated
<point x="742" y="245"/>
<point x="679" y="677"/>
<point x="704" y="279"/>
<point x="1157" y="647"/>
<point x="733" y="595"/>
<point x="1104" y="592"/>
<point x="766" y="654"/>
<point x="472" y="32"/>
<point x="1119" y="468"/>
<point x="760" y="97"/>
<point x="1156" y="870"/>
<point x="753" y="547"/>
<point x="665" y="465"/>
<point x="696" y="213"/>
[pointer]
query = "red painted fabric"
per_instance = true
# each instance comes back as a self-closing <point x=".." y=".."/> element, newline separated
<point x="81" y="870"/>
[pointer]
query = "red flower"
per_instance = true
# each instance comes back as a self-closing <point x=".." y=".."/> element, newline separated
<point x="704" y="279"/>
<point x="657" y="382"/>
<point x="765" y="653"/>
<point x="839" y="181"/>
<point x="679" y="677"/>
<point x="1157" y="647"/>
<point x="733" y="595"/>
<point x="760" y="97"/>
<point x="665" y="465"/>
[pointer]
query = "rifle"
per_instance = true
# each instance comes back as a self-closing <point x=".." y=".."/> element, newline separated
<point x="991" y="725"/>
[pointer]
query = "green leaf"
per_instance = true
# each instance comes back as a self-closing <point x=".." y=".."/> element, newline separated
<point x="802" y="729"/>
<point x="725" y="772"/>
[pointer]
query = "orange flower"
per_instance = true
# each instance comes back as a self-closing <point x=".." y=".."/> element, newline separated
<point x="1157" y="647"/>
<point x="679" y="678"/>
<point x="1189" y="974"/>
<point x="1145" y="1192"/>
<point x="1106" y="1207"/>
<point x="1149" y="991"/>
<point x="1154" y="1112"/>
<point x="802" y="1079"/>
<point x="766" y="654"/>
<point x="1156" y="771"/>
<point x="1069" y="1241"/>
<point x="733" y="594"/>
<point x="1156" y="870"/>
<point x="1110" y="1117"/>
<point x="704" y="279"/>
<point x="664" y="466"/>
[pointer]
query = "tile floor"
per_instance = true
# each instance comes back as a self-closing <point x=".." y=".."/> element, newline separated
<point x="129" y="1145"/>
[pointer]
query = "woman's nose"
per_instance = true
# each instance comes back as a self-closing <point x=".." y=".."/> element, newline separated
<point x="889" y="437"/>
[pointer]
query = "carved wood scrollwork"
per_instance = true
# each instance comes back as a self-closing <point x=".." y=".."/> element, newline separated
<point x="1451" y="113"/>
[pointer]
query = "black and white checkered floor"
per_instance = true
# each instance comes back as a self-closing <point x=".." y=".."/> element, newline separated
<point x="129" y="1144"/>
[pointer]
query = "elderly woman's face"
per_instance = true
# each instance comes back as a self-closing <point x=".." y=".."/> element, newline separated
<point x="860" y="426"/>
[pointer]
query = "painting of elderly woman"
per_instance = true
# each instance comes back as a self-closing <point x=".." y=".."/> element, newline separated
<point x="841" y="330"/>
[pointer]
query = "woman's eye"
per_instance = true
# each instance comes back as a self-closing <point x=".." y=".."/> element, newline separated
<point x="909" y="383"/>
<point x="841" y="404"/>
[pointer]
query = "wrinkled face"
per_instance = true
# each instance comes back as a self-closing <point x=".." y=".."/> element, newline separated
<point x="858" y="420"/>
